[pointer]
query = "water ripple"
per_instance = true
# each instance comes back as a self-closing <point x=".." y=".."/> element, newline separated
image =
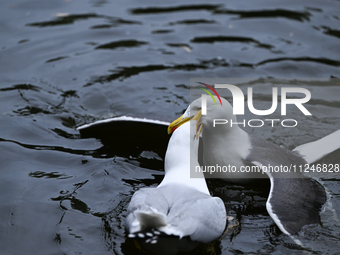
<point x="24" y="86"/>
<point x="168" y="9"/>
<point x="192" y="22"/>
<point x="126" y="72"/>
<point x="69" y="19"/>
<point x="331" y="32"/>
<point x="269" y="13"/>
<point x="321" y="60"/>
<point x="121" y="44"/>
<point x="221" y="38"/>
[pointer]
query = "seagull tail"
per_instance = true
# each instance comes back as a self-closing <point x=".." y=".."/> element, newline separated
<point x="149" y="223"/>
<point x="152" y="226"/>
<point x="316" y="150"/>
<point x="148" y="219"/>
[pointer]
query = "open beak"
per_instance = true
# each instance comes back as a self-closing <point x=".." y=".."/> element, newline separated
<point x="180" y="121"/>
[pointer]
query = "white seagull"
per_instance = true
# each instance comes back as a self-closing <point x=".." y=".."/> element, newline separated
<point x="180" y="212"/>
<point x="294" y="200"/>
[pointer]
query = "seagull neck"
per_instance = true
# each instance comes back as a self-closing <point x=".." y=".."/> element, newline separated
<point x="177" y="170"/>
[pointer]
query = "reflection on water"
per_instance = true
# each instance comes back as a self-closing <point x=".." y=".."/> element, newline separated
<point x="68" y="63"/>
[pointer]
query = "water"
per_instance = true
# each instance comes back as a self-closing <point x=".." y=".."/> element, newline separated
<point x="65" y="63"/>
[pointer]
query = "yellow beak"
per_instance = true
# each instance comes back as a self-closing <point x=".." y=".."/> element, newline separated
<point x="176" y="123"/>
<point x="180" y="121"/>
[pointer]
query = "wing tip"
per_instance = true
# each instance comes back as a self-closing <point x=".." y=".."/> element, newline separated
<point x="301" y="210"/>
<point x="149" y="235"/>
<point x="152" y="235"/>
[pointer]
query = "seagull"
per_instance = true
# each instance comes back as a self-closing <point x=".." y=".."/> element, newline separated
<point x="180" y="212"/>
<point x="293" y="201"/>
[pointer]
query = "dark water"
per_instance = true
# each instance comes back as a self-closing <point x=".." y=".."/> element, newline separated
<point x="65" y="63"/>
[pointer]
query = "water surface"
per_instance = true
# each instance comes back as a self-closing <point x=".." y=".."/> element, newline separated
<point x="65" y="63"/>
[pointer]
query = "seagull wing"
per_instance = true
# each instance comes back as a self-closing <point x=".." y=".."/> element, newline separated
<point x="177" y="210"/>
<point x="197" y="214"/>
<point x="146" y="201"/>
<point x="294" y="200"/>
<point x="314" y="151"/>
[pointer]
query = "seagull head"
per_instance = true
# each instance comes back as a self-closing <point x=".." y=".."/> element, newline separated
<point x="194" y="112"/>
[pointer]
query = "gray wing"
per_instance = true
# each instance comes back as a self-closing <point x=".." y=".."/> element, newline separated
<point x="293" y="203"/>
<point x="145" y="200"/>
<point x="294" y="200"/>
<point x="197" y="214"/>
<point x="315" y="150"/>
<point x="268" y="153"/>
<point x="187" y="212"/>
